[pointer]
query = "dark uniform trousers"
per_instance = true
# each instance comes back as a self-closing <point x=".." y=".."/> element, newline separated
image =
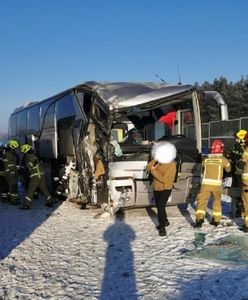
<point x="36" y="182"/>
<point x="10" y="161"/>
<point x="12" y="181"/>
<point x="3" y="187"/>
<point x="161" y="198"/>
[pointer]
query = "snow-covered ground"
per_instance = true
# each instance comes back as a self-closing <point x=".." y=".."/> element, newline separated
<point x="66" y="253"/>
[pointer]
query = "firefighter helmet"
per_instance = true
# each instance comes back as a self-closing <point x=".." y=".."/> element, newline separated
<point x="13" y="144"/>
<point x="217" y="147"/>
<point x="25" y="148"/>
<point x="241" y="135"/>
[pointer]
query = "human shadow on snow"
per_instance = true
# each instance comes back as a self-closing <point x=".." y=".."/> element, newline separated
<point x="119" y="275"/>
<point x="17" y="225"/>
<point x="215" y="285"/>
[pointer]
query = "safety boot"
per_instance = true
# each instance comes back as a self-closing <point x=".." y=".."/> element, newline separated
<point x="214" y="223"/>
<point x="49" y="203"/>
<point x="198" y="223"/>
<point x="162" y="231"/>
<point x="24" y="207"/>
<point x="166" y="224"/>
<point x="244" y="229"/>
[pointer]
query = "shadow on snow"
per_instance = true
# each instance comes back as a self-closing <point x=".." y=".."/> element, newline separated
<point x="215" y="285"/>
<point x="119" y="275"/>
<point x="16" y="225"/>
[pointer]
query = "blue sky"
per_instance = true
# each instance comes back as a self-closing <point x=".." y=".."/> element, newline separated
<point x="48" y="46"/>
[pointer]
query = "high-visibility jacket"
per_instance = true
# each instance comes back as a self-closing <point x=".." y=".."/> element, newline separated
<point x="213" y="168"/>
<point x="32" y="165"/>
<point x="1" y="166"/>
<point x="237" y="151"/>
<point x="11" y="162"/>
<point x="245" y="171"/>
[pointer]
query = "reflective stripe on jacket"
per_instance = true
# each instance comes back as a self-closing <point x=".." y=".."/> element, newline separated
<point x="11" y="161"/>
<point x="213" y="168"/>
<point x="33" y="166"/>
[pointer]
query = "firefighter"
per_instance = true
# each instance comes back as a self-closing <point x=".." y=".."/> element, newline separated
<point x="11" y="163"/>
<point x="31" y="164"/>
<point x="238" y="147"/>
<point x="213" y="167"/>
<point x="3" y="182"/>
<point x="235" y="156"/>
<point x="244" y="194"/>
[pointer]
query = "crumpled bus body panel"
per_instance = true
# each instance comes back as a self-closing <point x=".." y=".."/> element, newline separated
<point x="123" y="95"/>
<point x="95" y="139"/>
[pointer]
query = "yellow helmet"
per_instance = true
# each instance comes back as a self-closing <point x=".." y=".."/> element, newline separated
<point x="25" y="148"/>
<point x="13" y="144"/>
<point x="241" y="135"/>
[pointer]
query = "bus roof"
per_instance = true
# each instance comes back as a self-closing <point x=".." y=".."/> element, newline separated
<point x="121" y="95"/>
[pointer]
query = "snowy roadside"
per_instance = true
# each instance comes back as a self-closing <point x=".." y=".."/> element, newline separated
<point x="65" y="253"/>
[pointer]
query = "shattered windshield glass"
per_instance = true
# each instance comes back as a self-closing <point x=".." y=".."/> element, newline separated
<point x="232" y="249"/>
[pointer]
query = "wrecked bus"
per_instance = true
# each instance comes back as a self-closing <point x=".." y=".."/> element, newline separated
<point x="95" y="139"/>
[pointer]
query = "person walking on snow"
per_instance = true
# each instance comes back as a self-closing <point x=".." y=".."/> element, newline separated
<point x="36" y="177"/>
<point x="213" y="167"/>
<point x="163" y="171"/>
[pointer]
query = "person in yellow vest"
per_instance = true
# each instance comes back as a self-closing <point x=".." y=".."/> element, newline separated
<point x="244" y="194"/>
<point x="213" y="167"/>
<point x="163" y="171"/>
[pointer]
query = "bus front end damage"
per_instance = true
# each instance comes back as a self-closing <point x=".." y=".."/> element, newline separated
<point x="112" y="149"/>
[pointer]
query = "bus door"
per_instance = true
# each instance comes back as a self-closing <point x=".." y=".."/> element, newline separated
<point x="47" y="143"/>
